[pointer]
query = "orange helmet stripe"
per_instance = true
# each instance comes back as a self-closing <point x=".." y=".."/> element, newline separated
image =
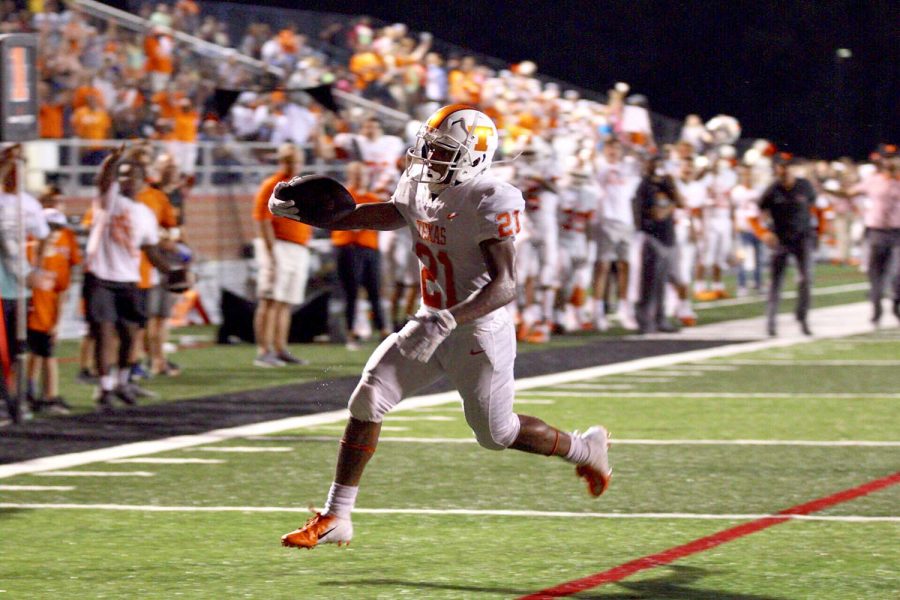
<point x="438" y="117"/>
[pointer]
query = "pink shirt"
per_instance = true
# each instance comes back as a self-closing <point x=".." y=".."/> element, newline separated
<point x="883" y="208"/>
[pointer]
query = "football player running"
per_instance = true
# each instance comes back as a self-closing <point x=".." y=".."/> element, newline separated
<point x="463" y="222"/>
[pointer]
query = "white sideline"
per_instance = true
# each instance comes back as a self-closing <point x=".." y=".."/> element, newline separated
<point x="149" y="460"/>
<point x="37" y="488"/>
<point x="637" y="442"/>
<point x="96" y="474"/>
<point x="461" y="512"/>
<point x="677" y="394"/>
<point x="844" y="320"/>
<point x="876" y="362"/>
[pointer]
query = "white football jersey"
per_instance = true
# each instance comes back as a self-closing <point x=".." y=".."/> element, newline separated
<point x="576" y="210"/>
<point x="746" y="203"/>
<point x="447" y="231"/>
<point x="720" y="186"/>
<point x="619" y="182"/>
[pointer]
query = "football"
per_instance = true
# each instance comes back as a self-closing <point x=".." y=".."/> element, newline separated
<point x="320" y="200"/>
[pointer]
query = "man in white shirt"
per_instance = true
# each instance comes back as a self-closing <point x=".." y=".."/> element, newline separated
<point x="121" y="228"/>
<point x="613" y="226"/>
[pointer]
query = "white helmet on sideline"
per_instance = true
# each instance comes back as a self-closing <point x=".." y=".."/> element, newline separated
<point x="456" y="144"/>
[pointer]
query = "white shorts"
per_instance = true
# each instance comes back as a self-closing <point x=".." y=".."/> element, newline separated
<point x="478" y="360"/>
<point x="613" y="240"/>
<point x="717" y="244"/>
<point x="286" y="280"/>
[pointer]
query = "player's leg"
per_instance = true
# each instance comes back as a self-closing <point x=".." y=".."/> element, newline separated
<point x="625" y="311"/>
<point x="478" y="360"/>
<point x="388" y="377"/>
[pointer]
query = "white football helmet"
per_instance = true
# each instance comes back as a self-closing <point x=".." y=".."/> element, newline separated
<point x="456" y="144"/>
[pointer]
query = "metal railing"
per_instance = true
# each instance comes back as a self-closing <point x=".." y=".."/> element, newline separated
<point x="238" y="167"/>
<point x="215" y="51"/>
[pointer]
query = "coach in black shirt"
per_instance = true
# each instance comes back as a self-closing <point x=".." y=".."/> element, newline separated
<point x="789" y="202"/>
<point x="654" y="204"/>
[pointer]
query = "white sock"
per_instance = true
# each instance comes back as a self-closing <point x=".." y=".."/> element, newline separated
<point x="341" y="499"/>
<point x="578" y="450"/>
<point x="108" y="382"/>
<point x="122" y="375"/>
<point x="547" y="301"/>
<point x="599" y="310"/>
<point x="718" y="286"/>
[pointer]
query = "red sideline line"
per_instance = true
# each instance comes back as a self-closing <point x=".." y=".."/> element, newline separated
<point x="710" y="541"/>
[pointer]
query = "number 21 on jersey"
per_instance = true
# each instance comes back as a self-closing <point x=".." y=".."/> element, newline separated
<point x="439" y="272"/>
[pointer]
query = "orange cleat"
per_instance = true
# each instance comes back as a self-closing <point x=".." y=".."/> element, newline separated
<point x="705" y="295"/>
<point x="320" y="529"/>
<point x="597" y="472"/>
<point x="539" y="334"/>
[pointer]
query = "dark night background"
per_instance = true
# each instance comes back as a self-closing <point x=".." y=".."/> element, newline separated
<point x="770" y="63"/>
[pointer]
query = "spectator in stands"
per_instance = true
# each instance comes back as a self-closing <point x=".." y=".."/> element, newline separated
<point x="358" y="260"/>
<point x="282" y="259"/>
<point x="183" y="145"/>
<point x="52" y="115"/>
<point x="10" y="252"/>
<point x="61" y="255"/>
<point x="91" y="122"/>
<point x="159" y="48"/>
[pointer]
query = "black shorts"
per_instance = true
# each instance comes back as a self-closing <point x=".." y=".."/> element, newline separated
<point x="114" y="302"/>
<point x="40" y="343"/>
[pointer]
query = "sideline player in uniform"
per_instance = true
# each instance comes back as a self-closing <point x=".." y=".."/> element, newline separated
<point x="535" y="176"/>
<point x="578" y="203"/>
<point x="463" y="223"/>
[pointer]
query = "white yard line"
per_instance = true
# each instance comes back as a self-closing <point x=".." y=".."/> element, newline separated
<point x="596" y="386"/>
<point x="96" y="474"/>
<point x="761" y="299"/>
<point x="36" y="488"/>
<point x="814" y="363"/>
<point x="845" y="320"/>
<point x="245" y="449"/>
<point x="677" y="394"/>
<point x="635" y="442"/>
<point x="392" y="418"/>
<point x="701" y="368"/>
<point x="149" y="460"/>
<point x="461" y="512"/>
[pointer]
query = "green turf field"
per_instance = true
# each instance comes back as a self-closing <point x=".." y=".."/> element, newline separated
<point x="203" y="368"/>
<point x="716" y="444"/>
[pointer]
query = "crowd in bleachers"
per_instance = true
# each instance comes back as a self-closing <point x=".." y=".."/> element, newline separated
<point x="580" y="162"/>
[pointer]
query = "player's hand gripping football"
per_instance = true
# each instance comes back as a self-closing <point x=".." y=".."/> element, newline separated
<point x="283" y="207"/>
<point x="423" y="334"/>
<point x="312" y="199"/>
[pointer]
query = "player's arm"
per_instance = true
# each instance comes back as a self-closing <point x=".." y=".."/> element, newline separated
<point x="382" y="216"/>
<point x="500" y="259"/>
<point x="756" y="222"/>
<point x="107" y="174"/>
<point x="156" y="258"/>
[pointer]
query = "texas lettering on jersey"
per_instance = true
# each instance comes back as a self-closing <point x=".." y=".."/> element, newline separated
<point x="448" y="229"/>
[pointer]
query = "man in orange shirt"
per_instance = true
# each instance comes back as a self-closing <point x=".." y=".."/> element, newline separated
<point x="61" y="255"/>
<point x="91" y="122"/>
<point x="282" y="258"/>
<point x="159" y="47"/>
<point x="183" y="146"/>
<point x="358" y="258"/>
<point x="157" y="300"/>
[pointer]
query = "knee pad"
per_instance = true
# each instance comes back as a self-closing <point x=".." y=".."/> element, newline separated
<point x="368" y="402"/>
<point x="497" y="434"/>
